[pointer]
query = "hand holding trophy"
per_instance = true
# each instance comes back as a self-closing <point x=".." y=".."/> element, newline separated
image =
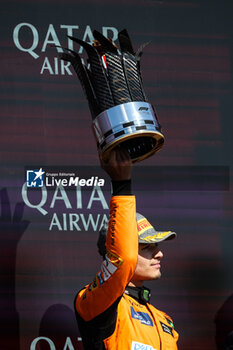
<point x="114" y="90"/>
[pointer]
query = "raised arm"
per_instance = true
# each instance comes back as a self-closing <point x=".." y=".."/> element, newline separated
<point x="122" y="243"/>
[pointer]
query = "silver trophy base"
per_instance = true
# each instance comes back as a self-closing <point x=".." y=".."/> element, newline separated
<point x="132" y="125"/>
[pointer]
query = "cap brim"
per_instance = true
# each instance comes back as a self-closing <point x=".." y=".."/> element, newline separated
<point x="156" y="237"/>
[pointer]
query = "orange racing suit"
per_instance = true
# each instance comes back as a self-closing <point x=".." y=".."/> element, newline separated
<point x="108" y="318"/>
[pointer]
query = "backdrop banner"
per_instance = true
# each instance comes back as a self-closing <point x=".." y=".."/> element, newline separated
<point x="54" y="197"/>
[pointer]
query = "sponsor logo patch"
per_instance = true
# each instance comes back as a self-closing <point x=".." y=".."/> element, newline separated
<point x="105" y="272"/>
<point x="111" y="268"/>
<point x="94" y="284"/>
<point x="140" y="346"/>
<point x="107" y="268"/>
<point x="114" y="259"/>
<point x="143" y="225"/>
<point x="167" y="329"/>
<point x="100" y="278"/>
<point x="143" y="317"/>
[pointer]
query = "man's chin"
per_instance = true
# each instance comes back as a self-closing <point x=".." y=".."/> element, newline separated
<point x="155" y="277"/>
<point x="158" y="275"/>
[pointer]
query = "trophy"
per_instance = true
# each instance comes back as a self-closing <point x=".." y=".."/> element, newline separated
<point x="113" y="86"/>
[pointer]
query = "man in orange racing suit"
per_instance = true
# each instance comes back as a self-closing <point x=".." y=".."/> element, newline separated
<point x="113" y="312"/>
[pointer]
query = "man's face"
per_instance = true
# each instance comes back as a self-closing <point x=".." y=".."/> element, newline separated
<point x="148" y="264"/>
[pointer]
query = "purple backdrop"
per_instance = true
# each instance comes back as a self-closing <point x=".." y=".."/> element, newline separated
<point x="48" y="237"/>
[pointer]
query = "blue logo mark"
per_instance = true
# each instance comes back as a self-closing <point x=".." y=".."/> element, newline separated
<point x="35" y="178"/>
<point x="143" y="317"/>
